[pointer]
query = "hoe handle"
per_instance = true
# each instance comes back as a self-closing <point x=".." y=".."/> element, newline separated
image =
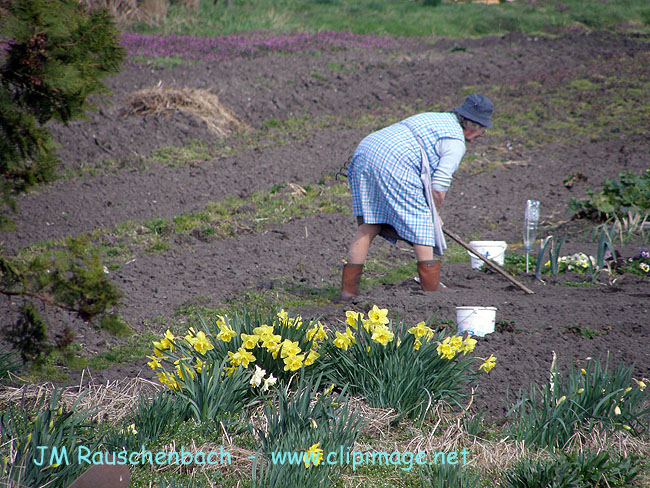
<point x="490" y="264"/>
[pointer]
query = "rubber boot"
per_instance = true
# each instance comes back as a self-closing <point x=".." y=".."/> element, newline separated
<point x="429" y="272"/>
<point x="350" y="282"/>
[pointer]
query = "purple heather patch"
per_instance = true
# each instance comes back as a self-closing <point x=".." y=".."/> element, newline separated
<point x="229" y="47"/>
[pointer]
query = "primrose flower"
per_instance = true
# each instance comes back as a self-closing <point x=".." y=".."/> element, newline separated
<point x="488" y="364"/>
<point x="314" y="455"/>
<point x="258" y="375"/>
<point x="225" y="332"/>
<point x="311" y="358"/>
<point x="249" y="341"/>
<point x="352" y="318"/>
<point x="293" y="362"/>
<point x="378" y="315"/>
<point x="268" y="382"/>
<point x="382" y="335"/>
<point x="645" y="267"/>
<point x="201" y="343"/>
<point x="289" y="348"/>
<point x="420" y="330"/>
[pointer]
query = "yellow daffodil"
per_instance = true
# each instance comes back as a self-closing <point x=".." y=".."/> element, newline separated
<point x="225" y="332"/>
<point x="181" y="370"/>
<point x="241" y="358"/>
<point x="580" y="391"/>
<point x="317" y="333"/>
<point x="456" y="343"/>
<point x="293" y="362"/>
<point x="273" y="348"/>
<point x="626" y="427"/>
<point x="352" y="318"/>
<point x="289" y="348"/>
<point x="445" y="350"/>
<point x="297" y="322"/>
<point x="154" y="363"/>
<point x="617" y="410"/>
<point x="641" y="384"/>
<point x="420" y="330"/>
<point x="382" y="334"/>
<point x="190" y="336"/>
<point x="249" y="341"/>
<point x="263" y="331"/>
<point x="199" y="365"/>
<point x="468" y="345"/>
<point x="560" y="400"/>
<point x="168" y="380"/>
<point x="488" y="364"/>
<point x="378" y="315"/>
<point x="311" y="358"/>
<point x="313" y="456"/>
<point x="283" y="316"/>
<point x="201" y="343"/>
<point x="583" y="371"/>
<point x="417" y="344"/>
<point x="342" y="341"/>
<point x="271" y="340"/>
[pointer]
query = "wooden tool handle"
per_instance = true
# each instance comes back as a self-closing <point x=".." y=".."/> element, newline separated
<point x="490" y="264"/>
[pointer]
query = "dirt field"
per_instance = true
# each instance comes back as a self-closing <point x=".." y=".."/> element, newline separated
<point x="338" y="96"/>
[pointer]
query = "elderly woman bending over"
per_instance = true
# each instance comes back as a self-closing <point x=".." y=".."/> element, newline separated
<point x="399" y="177"/>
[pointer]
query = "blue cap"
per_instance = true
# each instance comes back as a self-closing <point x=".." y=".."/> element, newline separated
<point x="476" y="108"/>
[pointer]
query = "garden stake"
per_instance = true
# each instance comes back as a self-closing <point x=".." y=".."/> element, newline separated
<point x="490" y="264"/>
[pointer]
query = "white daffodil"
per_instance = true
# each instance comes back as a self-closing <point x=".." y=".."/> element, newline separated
<point x="268" y="382"/>
<point x="258" y="375"/>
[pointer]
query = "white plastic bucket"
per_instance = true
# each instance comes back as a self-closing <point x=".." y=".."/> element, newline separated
<point x="476" y="321"/>
<point x="492" y="250"/>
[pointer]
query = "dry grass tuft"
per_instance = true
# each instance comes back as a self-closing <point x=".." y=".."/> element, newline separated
<point x="200" y="103"/>
<point x="127" y="12"/>
<point x="113" y="399"/>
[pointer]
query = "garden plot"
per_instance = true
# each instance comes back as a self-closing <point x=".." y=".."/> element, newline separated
<point x="194" y="225"/>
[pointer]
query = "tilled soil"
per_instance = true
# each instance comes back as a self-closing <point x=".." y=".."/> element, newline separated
<point x="307" y="253"/>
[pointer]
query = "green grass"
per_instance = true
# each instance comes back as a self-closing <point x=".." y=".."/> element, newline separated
<point x="400" y="17"/>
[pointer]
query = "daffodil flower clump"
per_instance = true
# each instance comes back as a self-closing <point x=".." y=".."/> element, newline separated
<point x="376" y="356"/>
<point x="280" y="346"/>
<point x="399" y="366"/>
